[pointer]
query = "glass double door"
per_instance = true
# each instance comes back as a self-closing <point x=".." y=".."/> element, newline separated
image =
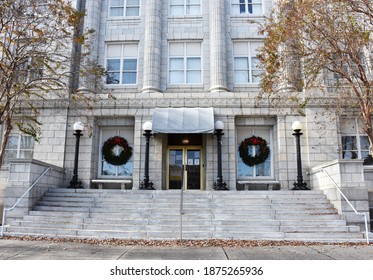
<point x="184" y="168"/>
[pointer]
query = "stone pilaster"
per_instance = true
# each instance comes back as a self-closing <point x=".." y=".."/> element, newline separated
<point x="92" y="21"/>
<point x="231" y="147"/>
<point x="218" y="62"/>
<point x="152" y="49"/>
<point x="282" y="159"/>
<point x="138" y="160"/>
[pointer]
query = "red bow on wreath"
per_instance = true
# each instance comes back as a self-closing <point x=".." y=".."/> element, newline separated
<point x="117" y="140"/>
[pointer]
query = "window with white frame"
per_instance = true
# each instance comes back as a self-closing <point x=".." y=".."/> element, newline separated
<point x="251" y="7"/>
<point x="185" y="63"/>
<point x="246" y="63"/>
<point x="121" y="8"/>
<point x="262" y="170"/>
<point x="107" y="170"/>
<point x="19" y="146"/>
<point x="30" y="69"/>
<point x="121" y="63"/>
<point x="185" y="7"/>
<point x="355" y="144"/>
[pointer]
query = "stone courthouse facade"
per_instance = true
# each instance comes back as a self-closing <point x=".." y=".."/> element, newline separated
<point x="183" y="65"/>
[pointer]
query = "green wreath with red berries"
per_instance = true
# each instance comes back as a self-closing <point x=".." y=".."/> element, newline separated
<point x="110" y="156"/>
<point x="257" y="159"/>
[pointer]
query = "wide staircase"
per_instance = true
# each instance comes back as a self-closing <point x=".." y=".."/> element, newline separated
<point x="136" y="214"/>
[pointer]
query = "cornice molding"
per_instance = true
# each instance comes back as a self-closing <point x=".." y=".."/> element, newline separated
<point x="218" y="102"/>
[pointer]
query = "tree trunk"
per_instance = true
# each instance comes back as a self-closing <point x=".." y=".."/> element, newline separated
<point x="8" y="129"/>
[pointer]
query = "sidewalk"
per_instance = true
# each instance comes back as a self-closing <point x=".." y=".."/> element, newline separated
<point x="49" y="250"/>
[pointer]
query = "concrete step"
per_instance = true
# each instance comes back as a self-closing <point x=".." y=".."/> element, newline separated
<point x="283" y="210"/>
<point x="314" y="222"/>
<point x="127" y="214"/>
<point x="249" y="235"/>
<point x="58" y="214"/>
<point x="324" y="235"/>
<point x="308" y="216"/>
<point x="51" y="219"/>
<point x="291" y="225"/>
<point x="302" y="228"/>
<point x="69" y="233"/>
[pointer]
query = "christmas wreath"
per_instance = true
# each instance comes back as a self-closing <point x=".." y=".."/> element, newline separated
<point x="122" y="154"/>
<point x="260" y="157"/>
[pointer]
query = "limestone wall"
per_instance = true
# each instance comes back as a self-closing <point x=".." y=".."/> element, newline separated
<point x="348" y="176"/>
<point x="23" y="173"/>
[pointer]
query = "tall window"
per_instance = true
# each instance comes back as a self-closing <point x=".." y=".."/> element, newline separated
<point x="185" y="7"/>
<point x="121" y="64"/>
<point x="185" y="63"/>
<point x="120" y="8"/>
<point x="30" y="69"/>
<point x="263" y="170"/>
<point x="246" y="63"/>
<point x="355" y="144"/>
<point x="253" y="7"/>
<point x="19" y="146"/>
<point x="107" y="170"/>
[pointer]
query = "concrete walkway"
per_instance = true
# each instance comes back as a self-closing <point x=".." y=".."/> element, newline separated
<point x="48" y="250"/>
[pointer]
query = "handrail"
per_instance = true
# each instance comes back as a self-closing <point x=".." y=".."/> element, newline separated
<point x="181" y="212"/>
<point x="349" y="203"/>
<point x="15" y="204"/>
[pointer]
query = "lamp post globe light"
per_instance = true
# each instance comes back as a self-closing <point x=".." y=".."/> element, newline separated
<point x="74" y="183"/>
<point x="300" y="184"/>
<point x="219" y="184"/>
<point x="145" y="184"/>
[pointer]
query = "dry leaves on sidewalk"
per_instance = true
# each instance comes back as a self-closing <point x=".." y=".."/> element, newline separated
<point x="183" y="243"/>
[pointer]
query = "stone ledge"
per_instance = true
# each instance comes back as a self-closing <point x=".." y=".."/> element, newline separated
<point x="101" y="182"/>
<point x="260" y="185"/>
<point x="36" y="162"/>
<point x="318" y="168"/>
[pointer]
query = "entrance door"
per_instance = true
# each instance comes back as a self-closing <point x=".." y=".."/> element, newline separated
<point x="184" y="168"/>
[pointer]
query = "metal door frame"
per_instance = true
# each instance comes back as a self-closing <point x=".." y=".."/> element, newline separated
<point x="184" y="149"/>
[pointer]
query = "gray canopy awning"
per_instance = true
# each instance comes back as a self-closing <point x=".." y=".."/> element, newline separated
<point x="183" y="120"/>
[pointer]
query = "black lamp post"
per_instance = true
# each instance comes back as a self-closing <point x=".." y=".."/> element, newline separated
<point x="146" y="185"/>
<point x="219" y="185"/>
<point x="300" y="184"/>
<point x="74" y="183"/>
